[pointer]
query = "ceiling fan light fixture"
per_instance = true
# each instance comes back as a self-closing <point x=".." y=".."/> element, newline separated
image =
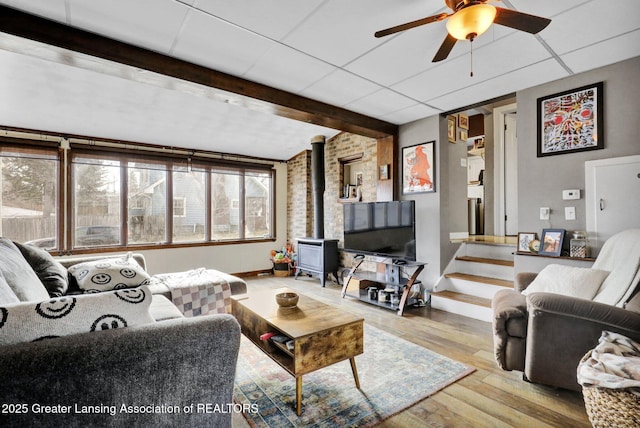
<point x="471" y="21"/>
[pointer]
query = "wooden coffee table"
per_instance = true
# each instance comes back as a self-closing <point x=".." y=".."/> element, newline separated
<point x="322" y="335"/>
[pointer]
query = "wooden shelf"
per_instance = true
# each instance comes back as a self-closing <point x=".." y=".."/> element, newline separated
<point x="586" y="259"/>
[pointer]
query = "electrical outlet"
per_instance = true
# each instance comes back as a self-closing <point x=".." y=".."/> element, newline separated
<point x="544" y="213"/>
<point x="569" y="213"/>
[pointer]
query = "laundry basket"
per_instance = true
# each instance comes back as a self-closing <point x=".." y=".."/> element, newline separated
<point x="608" y="407"/>
<point x="610" y="390"/>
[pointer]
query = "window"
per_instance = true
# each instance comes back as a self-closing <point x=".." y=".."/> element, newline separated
<point x="179" y="207"/>
<point x="116" y="199"/>
<point x="96" y="202"/>
<point x="257" y="194"/>
<point x="225" y="215"/>
<point x="189" y="205"/>
<point x="29" y="207"/>
<point x="147" y="203"/>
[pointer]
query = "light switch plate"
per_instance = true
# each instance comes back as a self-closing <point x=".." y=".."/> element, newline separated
<point x="569" y="213"/>
<point x="544" y="213"/>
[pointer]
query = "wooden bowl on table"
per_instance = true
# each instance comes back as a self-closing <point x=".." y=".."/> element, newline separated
<point x="287" y="300"/>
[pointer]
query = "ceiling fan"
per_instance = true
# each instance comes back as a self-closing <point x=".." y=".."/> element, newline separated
<point x="469" y="19"/>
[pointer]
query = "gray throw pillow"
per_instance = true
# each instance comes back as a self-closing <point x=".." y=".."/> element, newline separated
<point x="19" y="275"/>
<point x="51" y="273"/>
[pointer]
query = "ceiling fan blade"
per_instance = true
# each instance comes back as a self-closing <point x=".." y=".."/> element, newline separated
<point x="445" y="48"/>
<point x="520" y="20"/>
<point x="411" y="24"/>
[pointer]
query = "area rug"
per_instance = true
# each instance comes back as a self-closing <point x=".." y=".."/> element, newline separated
<point x="394" y="374"/>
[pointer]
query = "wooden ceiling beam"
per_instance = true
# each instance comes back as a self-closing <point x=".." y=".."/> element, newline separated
<point x="261" y="97"/>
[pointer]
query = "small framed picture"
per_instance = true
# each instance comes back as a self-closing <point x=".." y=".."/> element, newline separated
<point x="384" y="172"/>
<point x="451" y="129"/>
<point x="463" y="121"/>
<point x="551" y="242"/>
<point x="524" y="241"/>
<point x="463" y="135"/>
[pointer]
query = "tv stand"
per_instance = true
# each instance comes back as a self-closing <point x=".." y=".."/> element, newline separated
<point x="357" y="283"/>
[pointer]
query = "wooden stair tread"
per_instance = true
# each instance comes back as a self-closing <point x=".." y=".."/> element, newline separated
<point x="481" y="279"/>
<point x="465" y="298"/>
<point x="485" y="260"/>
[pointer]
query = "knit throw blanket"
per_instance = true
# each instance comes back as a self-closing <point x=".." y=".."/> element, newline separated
<point x="197" y="292"/>
<point x="614" y="364"/>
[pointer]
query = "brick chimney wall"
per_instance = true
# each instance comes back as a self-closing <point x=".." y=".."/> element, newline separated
<point x="299" y="201"/>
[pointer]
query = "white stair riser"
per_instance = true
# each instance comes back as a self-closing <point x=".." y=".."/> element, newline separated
<point x="461" y="308"/>
<point x="499" y="252"/>
<point x="471" y="288"/>
<point x="484" y="269"/>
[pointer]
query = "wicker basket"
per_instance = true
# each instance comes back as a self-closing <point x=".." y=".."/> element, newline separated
<point x="282" y="269"/>
<point x="611" y="407"/>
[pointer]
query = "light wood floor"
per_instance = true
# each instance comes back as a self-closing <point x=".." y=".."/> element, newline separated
<point x="489" y="397"/>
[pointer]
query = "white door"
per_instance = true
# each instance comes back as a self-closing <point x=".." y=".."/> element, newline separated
<point x="612" y="197"/>
<point x="510" y="175"/>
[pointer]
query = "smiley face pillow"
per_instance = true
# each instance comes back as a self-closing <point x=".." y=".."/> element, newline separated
<point x="66" y="315"/>
<point x="109" y="274"/>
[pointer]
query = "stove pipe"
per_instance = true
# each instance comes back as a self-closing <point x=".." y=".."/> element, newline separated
<point x="317" y="182"/>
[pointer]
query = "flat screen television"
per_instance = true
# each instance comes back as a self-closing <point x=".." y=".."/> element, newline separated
<point x="385" y="229"/>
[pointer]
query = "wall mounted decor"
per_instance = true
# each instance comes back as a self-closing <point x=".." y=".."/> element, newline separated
<point x="418" y="168"/>
<point x="463" y="121"/>
<point x="571" y="121"/>
<point x="451" y="129"/>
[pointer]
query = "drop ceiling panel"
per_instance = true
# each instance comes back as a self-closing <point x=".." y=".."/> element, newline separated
<point x="206" y="41"/>
<point x="607" y="52"/>
<point x="287" y="69"/>
<point x="272" y="18"/>
<point x="340" y="88"/>
<point x="489" y="61"/>
<point x="410" y="114"/>
<point x="582" y="26"/>
<point x="381" y="103"/>
<point x="535" y="74"/>
<point x="340" y="31"/>
<point x="545" y="8"/>
<point x="152" y="24"/>
<point x="52" y="9"/>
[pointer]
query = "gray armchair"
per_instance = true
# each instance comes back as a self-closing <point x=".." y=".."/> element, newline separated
<point x="545" y="335"/>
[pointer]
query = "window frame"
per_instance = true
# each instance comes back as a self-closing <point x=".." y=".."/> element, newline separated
<point x="170" y="163"/>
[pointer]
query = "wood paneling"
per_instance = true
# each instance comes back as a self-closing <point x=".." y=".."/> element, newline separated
<point x="387" y="189"/>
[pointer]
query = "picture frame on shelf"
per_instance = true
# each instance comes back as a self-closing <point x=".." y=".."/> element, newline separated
<point x="463" y="121"/>
<point x="418" y="168"/>
<point x="551" y="242"/>
<point x="571" y="121"/>
<point x="451" y="129"/>
<point x="524" y="241"/>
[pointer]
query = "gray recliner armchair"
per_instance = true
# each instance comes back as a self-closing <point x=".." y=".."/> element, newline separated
<point x="545" y="335"/>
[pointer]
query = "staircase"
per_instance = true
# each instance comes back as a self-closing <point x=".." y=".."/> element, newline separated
<point x="478" y="270"/>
